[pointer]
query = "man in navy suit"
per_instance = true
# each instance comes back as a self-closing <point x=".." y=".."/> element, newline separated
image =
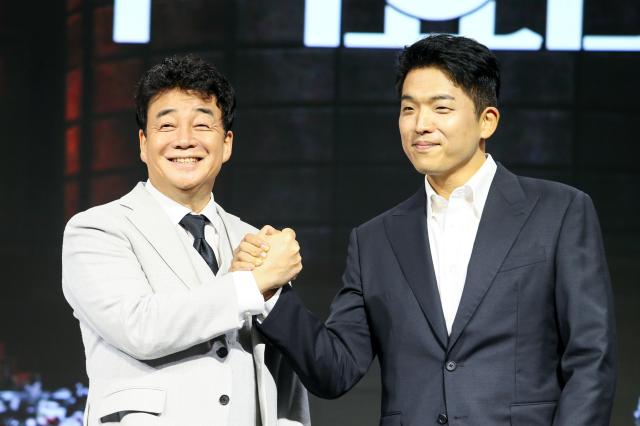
<point x="485" y="296"/>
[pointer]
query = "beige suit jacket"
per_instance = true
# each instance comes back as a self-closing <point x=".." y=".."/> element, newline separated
<point x="152" y="317"/>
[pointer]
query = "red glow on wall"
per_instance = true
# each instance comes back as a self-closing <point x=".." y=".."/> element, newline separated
<point x="114" y="145"/>
<point x="74" y="95"/>
<point x="109" y="188"/>
<point x="115" y="84"/>
<point x="73" y="4"/>
<point x="72" y="151"/>
<point x="74" y="41"/>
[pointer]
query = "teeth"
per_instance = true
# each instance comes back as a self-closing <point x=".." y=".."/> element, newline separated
<point x="185" y="160"/>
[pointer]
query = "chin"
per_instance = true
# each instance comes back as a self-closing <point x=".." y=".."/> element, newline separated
<point x="424" y="169"/>
<point x="182" y="184"/>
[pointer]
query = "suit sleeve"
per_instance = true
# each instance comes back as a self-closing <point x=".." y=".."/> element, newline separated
<point x="328" y="357"/>
<point x="104" y="283"/>
<point x="585" y="315"/>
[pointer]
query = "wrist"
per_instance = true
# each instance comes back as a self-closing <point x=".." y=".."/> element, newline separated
<point x="261" y="280"/>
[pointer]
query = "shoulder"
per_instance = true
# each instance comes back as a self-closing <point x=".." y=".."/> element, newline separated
<point x="106" y="216"/>
<point x="552" y="191"/>
<point x="514" y="187"/>
<point x="549" y="198"/>
<point x="98" y="216"/>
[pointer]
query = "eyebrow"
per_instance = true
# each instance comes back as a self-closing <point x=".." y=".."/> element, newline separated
<point x="431" y="99"/>
<point x="207" y="111"/>
<point x="166" y="111"/>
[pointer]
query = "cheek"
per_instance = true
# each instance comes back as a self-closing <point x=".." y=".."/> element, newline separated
<point x="406" y="130"/>
<point x="460" y="134"/>
<point x="448" y="124"/>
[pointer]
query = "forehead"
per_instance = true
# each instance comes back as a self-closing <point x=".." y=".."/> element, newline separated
<point x="181" y="100"/>
<point x="429" y="81"/>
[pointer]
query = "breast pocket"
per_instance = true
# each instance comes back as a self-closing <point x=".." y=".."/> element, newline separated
<point x="521" y="258"/>
<point x="132" y="406"/>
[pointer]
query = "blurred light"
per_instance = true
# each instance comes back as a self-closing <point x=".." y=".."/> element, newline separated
<point x="436" y="10"/>
<point x="132" y="21"/>
<point x="612" y="43"/>
<point x="322" y="23"/>
<point x="564" y="24"/>
<point x="402" y="22"/>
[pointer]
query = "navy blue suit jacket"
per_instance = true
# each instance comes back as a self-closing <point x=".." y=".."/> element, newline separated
<point x="533" y="341"/>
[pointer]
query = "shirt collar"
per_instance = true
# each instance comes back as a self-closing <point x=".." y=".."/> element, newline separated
<point x="177" y="211"/>
<point x="475" y="190"/>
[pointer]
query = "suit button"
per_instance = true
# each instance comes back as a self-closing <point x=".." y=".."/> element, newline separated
<point x="451" y="365"/>
<point x="222" y="352"/>
<point x="224" y="399"/>
<point x="442" y="419"/>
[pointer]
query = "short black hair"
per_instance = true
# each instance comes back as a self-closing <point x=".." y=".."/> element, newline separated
<point x="469" y="64"/>
<point x="190" y="74"/>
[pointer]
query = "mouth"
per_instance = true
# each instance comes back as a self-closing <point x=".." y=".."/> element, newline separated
<point x="424" y="146"/>
<point x="185" y="160"/>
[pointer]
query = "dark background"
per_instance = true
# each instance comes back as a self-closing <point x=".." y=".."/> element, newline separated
<point x="316" y="148"/>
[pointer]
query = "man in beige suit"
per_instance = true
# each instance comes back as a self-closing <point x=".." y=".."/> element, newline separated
<point x="167" y="327"/>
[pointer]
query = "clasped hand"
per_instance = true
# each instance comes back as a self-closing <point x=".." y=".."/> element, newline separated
<point x="272" y="256"/>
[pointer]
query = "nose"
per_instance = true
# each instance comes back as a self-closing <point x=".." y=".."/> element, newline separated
<point x="425" y="121"/>
<point x="184" y="138"/>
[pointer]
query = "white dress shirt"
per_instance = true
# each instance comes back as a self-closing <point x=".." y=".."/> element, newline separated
<point x="452" y="226"/>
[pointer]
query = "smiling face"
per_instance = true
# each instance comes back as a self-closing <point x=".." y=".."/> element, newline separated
<point x="184" y="146"/>
<point x="442" y="134"/>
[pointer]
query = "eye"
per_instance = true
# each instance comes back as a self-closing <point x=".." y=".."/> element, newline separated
<point x="443" y="109"/>
<point x="166" y="126"/>
<point x="406" y="108"/>
<point x="201" y="126"/>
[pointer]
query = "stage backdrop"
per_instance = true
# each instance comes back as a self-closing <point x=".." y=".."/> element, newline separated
<point x="316" y="140"/>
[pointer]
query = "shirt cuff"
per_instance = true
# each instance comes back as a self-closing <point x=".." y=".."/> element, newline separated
<point x="268" y="306"/>
<point x="250" y="300"/>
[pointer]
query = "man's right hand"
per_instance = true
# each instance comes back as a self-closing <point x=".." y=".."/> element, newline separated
<point x="282" y="263"/>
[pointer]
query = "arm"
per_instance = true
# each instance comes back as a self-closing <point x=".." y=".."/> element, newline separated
<point x="109" y="292"/>
<point x="329" y="358"/>
<point x="585" y="315"/>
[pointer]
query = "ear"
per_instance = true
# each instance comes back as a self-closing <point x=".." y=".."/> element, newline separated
<point x="227" y="146"/>
<point x="143" y="146"/>
<point x="489" y="122"/>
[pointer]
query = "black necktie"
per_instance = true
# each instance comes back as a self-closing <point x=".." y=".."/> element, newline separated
<point x="194" y="223"/>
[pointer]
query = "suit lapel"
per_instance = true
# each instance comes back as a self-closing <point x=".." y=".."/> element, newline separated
<point x="406" y="229"/>
<point x="228" y="237"/>
<point x="504" y="214"/>
<point x="147" y="216"/>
